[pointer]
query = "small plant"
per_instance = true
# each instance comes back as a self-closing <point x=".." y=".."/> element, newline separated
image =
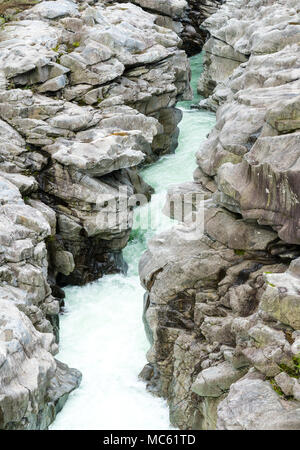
<point x="296" y="360"/>
<point x="276" y="388"/>
<point x="55" y="49"/>
<point x="50" y="239"/>
<point x="239" y="252"/>
<point x="294" y="371"/>
<point x="81" y="102"/>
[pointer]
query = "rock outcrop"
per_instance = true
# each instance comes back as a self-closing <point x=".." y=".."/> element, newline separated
<point x="222" y="306"/>
<point x="101" y="85"/>
<point x="34" y="386"/>
<point x="185" y="17"/>
<point x="87" y="95"/>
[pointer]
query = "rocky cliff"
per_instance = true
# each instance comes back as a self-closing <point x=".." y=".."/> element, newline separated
<point x="222" y="307"/>
<point x="87" y="95"/>
<point x="185" y="17"/>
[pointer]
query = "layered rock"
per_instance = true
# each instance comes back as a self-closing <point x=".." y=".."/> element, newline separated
<point x="193" y="34"/>
<point x="34" y="386"/>
<point x="87" y="95"/>
<point x="222" y="306"/>
<point x="101" y="85"/>
<point x="185" y="17"/>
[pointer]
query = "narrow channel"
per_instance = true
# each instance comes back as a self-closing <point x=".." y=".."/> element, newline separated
<point x="102" y="331"/>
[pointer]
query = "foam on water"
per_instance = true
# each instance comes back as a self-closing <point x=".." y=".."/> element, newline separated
<point x="101" y="330"/>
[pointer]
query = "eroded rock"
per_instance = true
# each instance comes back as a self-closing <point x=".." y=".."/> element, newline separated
<point x="87" y="94"/>
<point x="228" y="298"/>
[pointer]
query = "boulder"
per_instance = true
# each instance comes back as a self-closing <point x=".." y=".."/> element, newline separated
<point x="33" y="383"/>
<point x="216" y="380"/>
<point x="281" y="298"/>
<point x="226" y="298"/>
<point x="252" y="404"/>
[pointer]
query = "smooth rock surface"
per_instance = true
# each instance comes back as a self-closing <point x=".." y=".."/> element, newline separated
<point x="228" y="297"/>
<point x="252" y="404"/>
<point x="87" y="94"/>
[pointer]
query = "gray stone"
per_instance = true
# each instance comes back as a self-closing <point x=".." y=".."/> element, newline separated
<point x="252" y="404"/>
<point x="216" y="380"/>
<point x="29" y="373"/>
<point x="210" y="290"/>
<point x="172" y="8"/>
<point x="281" y="299"/>
<point x="61" y="159"/>
<point x="285" y="383"/>
<point x="64" y="262"/>
<point x="54" y="84"/>
<point x="53" y="9"/>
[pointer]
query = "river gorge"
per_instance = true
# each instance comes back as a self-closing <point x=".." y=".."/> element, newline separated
<point x="98" y="310"/>
<point x="156" y="320"/>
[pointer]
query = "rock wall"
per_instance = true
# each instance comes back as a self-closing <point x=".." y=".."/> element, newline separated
<point x="193" y="34"/>
<point x="87" y="95"/>
<point x="185" y="17"/>
<point x="222" y="307"/>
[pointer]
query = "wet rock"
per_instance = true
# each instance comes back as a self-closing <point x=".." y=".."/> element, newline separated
<point x="147" y="373"/>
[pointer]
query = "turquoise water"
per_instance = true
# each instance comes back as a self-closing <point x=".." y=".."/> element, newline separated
<point x="102" y="332"/>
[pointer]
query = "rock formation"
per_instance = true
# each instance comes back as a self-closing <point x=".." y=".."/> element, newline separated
<point x="87" y="95"/>
<point x="185" y="17"/>
<point x="222" y="307"/>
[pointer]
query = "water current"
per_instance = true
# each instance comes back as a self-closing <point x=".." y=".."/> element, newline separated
<point x="101" y="330"/>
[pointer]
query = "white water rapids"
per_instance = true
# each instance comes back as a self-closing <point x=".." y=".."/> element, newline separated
<point x="101" y="331"/>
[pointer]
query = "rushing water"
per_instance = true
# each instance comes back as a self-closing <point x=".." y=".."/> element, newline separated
<point x="102" y="332"/>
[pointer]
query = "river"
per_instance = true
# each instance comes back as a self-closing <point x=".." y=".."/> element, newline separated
<point x="101" y="330"/>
